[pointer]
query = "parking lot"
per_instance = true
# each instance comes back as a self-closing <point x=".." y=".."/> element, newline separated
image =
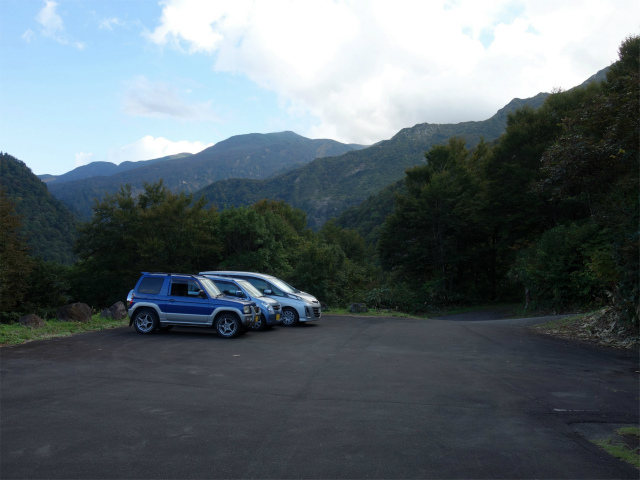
<point x="344" y="397"/>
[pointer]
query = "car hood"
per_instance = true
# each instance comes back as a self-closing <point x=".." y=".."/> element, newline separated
<point x="307" y="297"/>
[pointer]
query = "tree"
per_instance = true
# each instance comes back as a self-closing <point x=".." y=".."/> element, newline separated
<point x="158" y="231"/>
<point x="15" y="264"/>
<point x="596" y="158"/>
<point x="430" y="235"/>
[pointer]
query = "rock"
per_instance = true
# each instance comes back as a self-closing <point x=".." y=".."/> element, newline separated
<point x="358" y="308"/>
<point x="75" y="312"/>
<point x="115" y="311"/>
<point x="33" y="321"/>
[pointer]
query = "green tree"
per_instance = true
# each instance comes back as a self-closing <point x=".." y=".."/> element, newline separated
<point x="431" y="234"/>
<point x="596" y="159"/>
<point x="158" y="231"/>
<point x="15" y="264"/>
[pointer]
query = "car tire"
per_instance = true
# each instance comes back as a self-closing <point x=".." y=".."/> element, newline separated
<point x="261" y="324"/>
<point x="290" y="317"/>
<point x="227" y="325"/>
<point x="145" y="321"/>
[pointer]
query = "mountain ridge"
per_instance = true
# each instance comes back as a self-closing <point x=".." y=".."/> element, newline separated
<point x="251" y="155"/>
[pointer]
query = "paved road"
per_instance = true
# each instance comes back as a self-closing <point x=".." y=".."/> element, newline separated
<point x="346" y="397"/>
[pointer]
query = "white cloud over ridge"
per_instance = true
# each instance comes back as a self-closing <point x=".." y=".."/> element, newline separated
<point x="149" y="147"/>
<point x="365" y="69"/>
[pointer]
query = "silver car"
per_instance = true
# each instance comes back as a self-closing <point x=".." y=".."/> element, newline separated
<point x="297" y="306"/>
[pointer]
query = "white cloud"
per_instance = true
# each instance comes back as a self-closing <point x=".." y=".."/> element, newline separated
<point x="365" y="69"/>
<point x="29" y="36"/>
<point x="149" y="147"/>
<point x="109" y="23"/>
<point x="83" y="158"/>
<point x="162" y="100"/>
<point x="52" y="25"/>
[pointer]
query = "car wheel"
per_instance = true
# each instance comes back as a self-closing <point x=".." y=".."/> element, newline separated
<point x="145" y="321"/>
<point x="261" y="324"/>
<point x="290" y="317"/>
<point x="227" y="325"/>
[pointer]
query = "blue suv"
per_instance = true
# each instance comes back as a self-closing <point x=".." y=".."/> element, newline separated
<point x="163" y="300"/>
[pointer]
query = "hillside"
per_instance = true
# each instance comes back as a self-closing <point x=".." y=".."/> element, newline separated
<point x="253" y="156"/>
<point x="326" y="187"/>
<point x="49" y="226"/>
<point x="103" y="169"/>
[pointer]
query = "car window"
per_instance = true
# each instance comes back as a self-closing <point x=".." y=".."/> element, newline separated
<point x="210" y="287"/>
<point x="183" y="287"/>
<point x="250" y="289"/>
<point x="151" y="285"/>
<point x="260" y="284"/>
<point x="284" y="286"/>
<point x="263" y="285"/>
<point x="227" y="288"/>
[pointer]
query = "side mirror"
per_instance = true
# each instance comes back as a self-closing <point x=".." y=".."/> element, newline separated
<point x="201" y="294"/>
<point x="239" y="293"/>
<point x="268" y="292"/>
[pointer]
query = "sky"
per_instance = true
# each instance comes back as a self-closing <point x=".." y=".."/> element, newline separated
<point x="115" y="80"/>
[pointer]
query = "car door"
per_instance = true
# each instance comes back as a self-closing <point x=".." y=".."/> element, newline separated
<point x="187" y="302"/>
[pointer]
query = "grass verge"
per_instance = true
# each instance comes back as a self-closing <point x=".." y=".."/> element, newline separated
<point x="17" y="334"/>
<point x="626" y="445"/>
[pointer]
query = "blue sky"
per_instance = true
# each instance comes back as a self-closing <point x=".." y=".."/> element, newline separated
<point x="112" y="80"/>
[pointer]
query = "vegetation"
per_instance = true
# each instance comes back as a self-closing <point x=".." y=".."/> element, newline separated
<point x="16" y="334"/>
<point x="326" y="187"/>
<point x="619" y="448"/>
<point x="547" y="214"/>
<point x="47" y="226"/>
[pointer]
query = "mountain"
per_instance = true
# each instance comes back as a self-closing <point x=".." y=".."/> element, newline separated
<point x="103" y="169"/>
<point x="49" y="226"/>
<point x="247" y="156"/>
<point x="327" y="186"/>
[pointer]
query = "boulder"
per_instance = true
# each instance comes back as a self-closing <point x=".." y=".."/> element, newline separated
<point x="358" y="308"/>
<point x="75" y="312"/>
<point x="31" y="320"/>
<point x="117" y="311"/>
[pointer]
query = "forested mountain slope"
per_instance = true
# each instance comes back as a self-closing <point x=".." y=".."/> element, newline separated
<point x="244" y="156"/>
<point x="326" y="187"/>
<point x="49" y="226"/>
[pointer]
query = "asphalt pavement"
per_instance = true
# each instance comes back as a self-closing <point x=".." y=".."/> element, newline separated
<point x="344" y="397"/>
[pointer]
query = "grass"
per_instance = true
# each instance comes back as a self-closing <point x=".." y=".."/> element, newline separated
<point x="620" y="449"/>
<point x="17" y="334"/>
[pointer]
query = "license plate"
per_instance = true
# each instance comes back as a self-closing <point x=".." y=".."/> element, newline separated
<point x="277" y="317"/>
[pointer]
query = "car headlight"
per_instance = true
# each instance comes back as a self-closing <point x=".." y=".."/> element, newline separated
<point x="246" y="309"/>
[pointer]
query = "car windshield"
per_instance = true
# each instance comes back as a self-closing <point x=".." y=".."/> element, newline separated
<point x="250" y="289"/>
<point x="285" y="287"/>
<point x="210" y="287"/>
